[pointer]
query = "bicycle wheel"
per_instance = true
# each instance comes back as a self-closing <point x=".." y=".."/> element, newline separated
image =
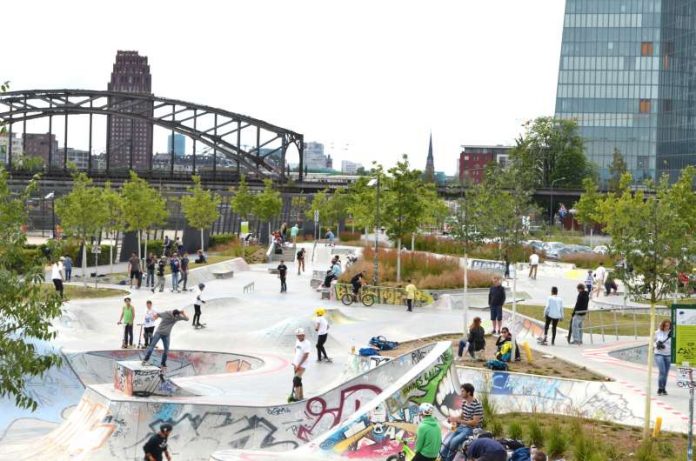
<point x="368" y="299"/>
<point x="347" y="299"/>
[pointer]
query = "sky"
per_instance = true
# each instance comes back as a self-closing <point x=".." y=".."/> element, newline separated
<point x="369" y="79"/>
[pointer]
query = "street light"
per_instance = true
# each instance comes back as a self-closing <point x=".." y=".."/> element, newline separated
<point x="374" y="182"/>
<point x="51" y="196"/>
<point x="551" y="210"/>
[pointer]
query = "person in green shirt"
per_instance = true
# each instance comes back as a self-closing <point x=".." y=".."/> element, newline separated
<point x="294" y="230"/>
<point x="127" y="316"/>
<point x="429" y="435"/>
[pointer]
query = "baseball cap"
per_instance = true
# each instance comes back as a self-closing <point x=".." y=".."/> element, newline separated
<point x="299" y="331"/>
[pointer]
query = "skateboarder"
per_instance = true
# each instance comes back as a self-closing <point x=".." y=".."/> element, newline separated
<point x="157" y="444"/>
<point x="321" y="326"/>
<point x="197" y="306"/>
<point x="163" y="332"/>
<point x="299" y="364"/>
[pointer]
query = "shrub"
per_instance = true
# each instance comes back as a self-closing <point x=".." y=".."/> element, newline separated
<point x="221" y="239"/>
<point x="646" y="451"/>
<point x="346" y="236"/>
<point x="556" y="441"/>
<point x="514" y="430"/>
<point x="535" y="434"/>
<point x="587" y="260"/>
<point x="496" y="427"/>
<point x="490" y="409"/>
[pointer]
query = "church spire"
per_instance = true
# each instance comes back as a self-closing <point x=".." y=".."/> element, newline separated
<point x="429" y="175"/>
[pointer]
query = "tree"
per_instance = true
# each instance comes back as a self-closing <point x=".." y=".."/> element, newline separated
<point x="549" y="150"/>
<point x="299" y="206"/>
<point x="201" y="207"/>
<point x="617" y="168"/>
<point x="361" y="200"/>
<point x="321" y="203"/>
<point x="268" y="203"/>
<point x="82" y="213"/>
<point x="115" y="223"/>
<point x="653" y="234"/>
<point x="26" y="311"/>
<point x="404" y="207"/>
<point x="587" y="208"/>
<point x="243" y="201"/>
<point x="143" y="207"/>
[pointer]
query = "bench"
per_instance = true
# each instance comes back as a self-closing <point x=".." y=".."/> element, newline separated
<point x="223" y="274"/>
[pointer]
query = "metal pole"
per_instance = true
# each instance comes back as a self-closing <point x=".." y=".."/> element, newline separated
<point x="551" y="209"/>
<point x="53" y="215"/>
<point x="375" y="277"/>
<point x="690" y="446"/>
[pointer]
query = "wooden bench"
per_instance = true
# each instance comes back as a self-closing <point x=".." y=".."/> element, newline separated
<point x="223" y="274"/>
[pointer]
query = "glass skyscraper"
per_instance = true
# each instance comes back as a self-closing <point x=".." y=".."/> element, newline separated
<point x="628" y="77"/>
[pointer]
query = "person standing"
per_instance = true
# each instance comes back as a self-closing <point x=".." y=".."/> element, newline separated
<point x="197" y="306"/>
<point x="428" y="435"/>
<point x="126" y="319"/>
<point x="175" y="266"/>
<point x="496" y="299"/>
<point x="179" y="246"/>
<point x="578" y="316"/>
<point x="134" y="270"/>
<point x="470" y="418"/>
<point x="68" y="265"/>
<point x="533" y="264"/>
<point x="321" y="326"/>
<point x="167" y="245"/>
<point x="663" y="354"/>
<point x="299" y="364"/>
<point x="163" y="332"/>
<point x="283" y="273"/>
<point x="600" y="275"/>
<point x="156" y="445"/>
<point x="410" y="295"/>
<point x="506" y="261"/>
<point x="148" y="323"/>
<point x="150" y="265"/>
<point x="330" y="237"/>
<point x="589" y="280"/>
<point x="57" y="277"/>
<point x="294" y="231"/>
<point x="161" y="267"/>
<point x="184" y="263"/>
<point x="553" y="313"/>
<point x="301" y="260"/>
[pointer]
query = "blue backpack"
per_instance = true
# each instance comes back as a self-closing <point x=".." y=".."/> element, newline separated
<point x="521" y="454"/>
<point x="496" y="365"/>
<point x="382" y="344"/>
<point x="367" y="351"/>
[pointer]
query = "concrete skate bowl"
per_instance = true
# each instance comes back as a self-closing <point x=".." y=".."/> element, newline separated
<point x="373" y="430"/>
<point x="107" y="425"/>
<point x="59" y="391"/>
<point x="206" y="273"/>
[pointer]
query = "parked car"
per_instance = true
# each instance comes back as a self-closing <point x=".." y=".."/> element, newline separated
<point x="601" y="249"/>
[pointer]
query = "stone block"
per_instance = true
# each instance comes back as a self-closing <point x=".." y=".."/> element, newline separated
<point x="132" y="378"/>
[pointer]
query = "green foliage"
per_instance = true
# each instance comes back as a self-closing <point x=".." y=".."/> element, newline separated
<point x="82" y="212"/>
<point x="143" y="206"/>
<point x="113" y="205"/>
<point x="556" y="441"/>
<point x="201" y="207"/>
<point x="243" y="201"/>
<point x="496" y="427"/>
<point x="617" y="168"/>
<point x="647" y="452"/>
<point x="550" y="149"/>
<point x="490" y="409"/>
<point x="535" y="434"/>
<point x="362" y="202"/>
<point x="404" y="201"/>
<point x="514" y="430"/>
<point x="588" y="206"/>
<point x="268" y="203"/>
<point x="221" y="239"/>
<point x="26" y="312"/>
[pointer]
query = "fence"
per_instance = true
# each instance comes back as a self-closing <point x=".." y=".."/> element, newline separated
<point x="248" y="288"/>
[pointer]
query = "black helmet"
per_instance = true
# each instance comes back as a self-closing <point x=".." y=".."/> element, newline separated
<point x="201" y="285"/>
<point x="166" y="427"/>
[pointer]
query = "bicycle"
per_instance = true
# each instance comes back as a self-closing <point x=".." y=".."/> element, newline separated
<point x="368" y="299"/>
<point x="406" y="453"/>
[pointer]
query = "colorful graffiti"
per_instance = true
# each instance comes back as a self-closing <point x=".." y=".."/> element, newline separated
<point x="386" y="295"/>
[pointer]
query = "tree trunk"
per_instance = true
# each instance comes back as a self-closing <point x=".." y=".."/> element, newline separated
<point x="269" y="231"/>
<point x="145" y="252"/>
<point x="398" y="260"/>
<point x="139" y="249"/>
<point x="465" y="314"/>
<point x="651" y="358"/>
<point x="202" y="246"/>
<point x="111" y="258"/>
<point x="84" y="261"/>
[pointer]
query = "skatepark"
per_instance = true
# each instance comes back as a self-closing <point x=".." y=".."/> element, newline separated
<point x="226" y="387"/>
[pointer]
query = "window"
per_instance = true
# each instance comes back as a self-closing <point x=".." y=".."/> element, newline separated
<point x="646" y="49"/>
<point x="667" y="105"/>
<point x="644" y="106"/>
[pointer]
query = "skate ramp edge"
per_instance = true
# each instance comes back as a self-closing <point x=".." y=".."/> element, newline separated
<point x="205" y="274"/>
<point x="373" y="430"/>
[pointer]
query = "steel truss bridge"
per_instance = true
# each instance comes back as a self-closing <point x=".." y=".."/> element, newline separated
<point x="237" y="143"/>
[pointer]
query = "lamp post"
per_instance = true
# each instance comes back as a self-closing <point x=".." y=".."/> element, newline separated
<point x="551" y="210"/>
<point x="374" y="182"/>
<point x="51" y="196"/>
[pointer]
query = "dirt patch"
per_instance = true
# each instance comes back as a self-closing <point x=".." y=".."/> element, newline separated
<point x="541" y="364"/>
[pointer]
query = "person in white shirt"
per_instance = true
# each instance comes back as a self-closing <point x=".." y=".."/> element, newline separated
<point x="663" y="354"/>
<point x="197" y="306"/>
<point x="299" y="364"/>
<point x="149" y="323"/>
<point x="600" y="276"/>
<point x="553" y="312"/>
<point x="57" y="276"/>
<point x="321" y="326"/>
<point x="533" y="265"/>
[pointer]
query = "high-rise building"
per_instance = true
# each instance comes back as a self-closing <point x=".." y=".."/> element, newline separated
<point x="17" y="147"/>
<point x="429" y="174"/>
<point x="42" y="145"/>
<point x="349" y="167"/>
<point x="176" y="144"/>
<point x="129" y="140"/>
<point x="626" y="77"/>
<point x="314" y="158"/>
<point x="473" y="161"/>
<point x="77" y="157"/>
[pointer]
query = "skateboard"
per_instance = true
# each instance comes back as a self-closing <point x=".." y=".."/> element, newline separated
<point x="198" y="327"/>
<point x="326" y="360"/>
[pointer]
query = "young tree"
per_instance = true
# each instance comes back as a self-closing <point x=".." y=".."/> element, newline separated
<point x="299" y="206"/>
<point x="321" y="203"/>
<point x="617" y="168"/>
<point x="243" y="201"/>
<point x="201" y="207"/>
<point x="268" y="203"/>
<point x="652" y="233"/>
<point x="26" y="311"/>
<point x="143" y="207"/>
<point x="587" y="208"/>
<point x="82" y="213"/>
<point x="361" y="202"/>
<point x="115" y="223"/>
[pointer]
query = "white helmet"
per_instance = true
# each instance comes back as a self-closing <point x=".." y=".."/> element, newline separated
<point x="299" y="331"/>
<point x="426" y="409"/>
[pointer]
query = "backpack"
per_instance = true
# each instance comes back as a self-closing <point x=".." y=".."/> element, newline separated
<point x="521" y="454"/>
<point x="382" y="344"/>
<point x="496" y="365"/>
<point x="367" y="351"/>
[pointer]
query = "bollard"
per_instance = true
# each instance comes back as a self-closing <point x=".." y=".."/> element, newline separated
<point x="527" y="351"/>
<point x="658" y="426"/>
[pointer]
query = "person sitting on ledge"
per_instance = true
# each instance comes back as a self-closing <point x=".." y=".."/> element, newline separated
<point x="200" y="257"/>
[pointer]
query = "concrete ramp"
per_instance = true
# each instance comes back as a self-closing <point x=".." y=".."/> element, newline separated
<point x="372" y="431"/>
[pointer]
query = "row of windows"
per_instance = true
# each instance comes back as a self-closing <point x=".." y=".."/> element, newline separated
<point x="612" y="34"/>
<point x="604" y="77"/>
<point x="604" y="20"/>
<point x="608" y="91"/>
<point x="613" y="6"/>
<point x="610" y="120"/>
<point x="609" y="63"/>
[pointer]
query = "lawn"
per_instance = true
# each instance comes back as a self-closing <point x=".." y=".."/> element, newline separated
<point x="82" y="292"/>
<point x="624" y="324"/>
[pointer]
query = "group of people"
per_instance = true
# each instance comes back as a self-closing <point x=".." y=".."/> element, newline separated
<point x="335" y="270"/>
<point x="301" y="360"/>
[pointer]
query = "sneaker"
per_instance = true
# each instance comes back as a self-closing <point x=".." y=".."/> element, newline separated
<point x="153" y="290"/>
<point x="144" y="363"/>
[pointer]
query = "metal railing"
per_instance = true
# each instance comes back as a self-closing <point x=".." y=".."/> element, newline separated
<point x="248" y="288"/>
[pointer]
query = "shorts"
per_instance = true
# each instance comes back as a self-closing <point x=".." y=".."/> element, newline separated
<point x="497" y="313"/>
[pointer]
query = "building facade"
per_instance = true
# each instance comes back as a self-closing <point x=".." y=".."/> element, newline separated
<point x="176" y="144"/>
<point x="17" y="147"/>
<point x="42" y="145"/>
<point x="625" y="76"/>
<point x="474" y="159"/>
<point x="77" y="157"/>
<point x="314" y="158"/>
<point x="348" y="167"/>
<point x="129" y="140"/>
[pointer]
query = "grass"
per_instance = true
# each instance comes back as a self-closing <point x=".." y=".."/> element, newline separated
<point x="595" y="319"/>
<point x="588" y="260"/>
<point x="82" y="292"/>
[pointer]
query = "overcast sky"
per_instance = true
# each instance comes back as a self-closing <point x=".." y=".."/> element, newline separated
<point x="371" y="78"/>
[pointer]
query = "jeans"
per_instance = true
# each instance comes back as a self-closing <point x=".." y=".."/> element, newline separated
<point x="321" y="340"/>
<point x="128" y="335"/>
<point x="184" y="279"/>
<point x="58" y="283"/>
<point x="409" y="304"/>
<point x="160" y="282"/>
<point x="663" y="363"/>
<point x="577" y="328"/>
<point x="462" y="345"/>
<point x="153" y="343"/>
<point x="449" y="448"/>
<point x="300" y="265"/>
<point x="175" y="280"/>
<point x="554" y="323"/>
<point x="150" y="279"/>
<point x="68" y="274"/>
